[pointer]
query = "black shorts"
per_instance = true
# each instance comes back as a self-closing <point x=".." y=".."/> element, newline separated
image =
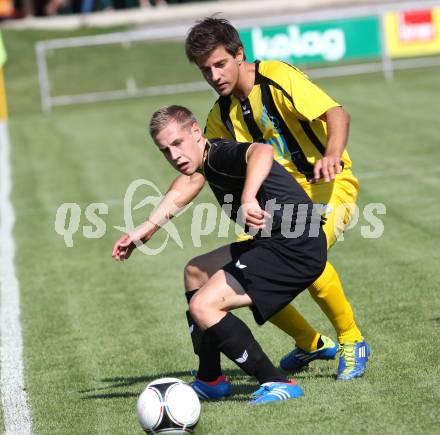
<point x="273" y="271"/>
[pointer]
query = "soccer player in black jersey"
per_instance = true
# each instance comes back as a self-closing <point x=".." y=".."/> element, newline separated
<point x="265" y="273"/>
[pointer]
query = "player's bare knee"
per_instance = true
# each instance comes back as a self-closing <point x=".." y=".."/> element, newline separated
<point x="199" y="310"/>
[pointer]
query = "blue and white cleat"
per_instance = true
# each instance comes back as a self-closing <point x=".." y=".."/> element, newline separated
<point x="276" y="391"/>
<point x="298" y="358"/>
<point x="353" y="359"/>
<point x="214" y="390"/>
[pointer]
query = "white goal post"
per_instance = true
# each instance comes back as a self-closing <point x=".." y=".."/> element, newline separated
<point x="385" y="65"/>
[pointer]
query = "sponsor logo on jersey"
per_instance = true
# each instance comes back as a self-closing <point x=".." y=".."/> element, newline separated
<point x="243" y="358"/>
<point x="238" y="265"/>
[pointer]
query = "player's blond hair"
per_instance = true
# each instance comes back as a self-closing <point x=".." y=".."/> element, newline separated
<point x="162" y="117"/>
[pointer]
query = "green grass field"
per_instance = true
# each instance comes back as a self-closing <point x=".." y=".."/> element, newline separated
<point x="96" y="331"/>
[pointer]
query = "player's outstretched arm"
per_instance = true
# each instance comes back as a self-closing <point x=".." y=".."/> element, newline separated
<point x="181" y="192"/>
<point x="259" y="162"/>
<point x="338" y="121"/>
<point x="125" y="245"/>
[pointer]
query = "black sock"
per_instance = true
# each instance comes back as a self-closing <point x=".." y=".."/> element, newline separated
<point x="209" y="355"/>
<point x="236" y="341"/>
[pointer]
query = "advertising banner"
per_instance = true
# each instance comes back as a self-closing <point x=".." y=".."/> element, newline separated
<point x="319" y="42"/>
<point x="413" y="33"/>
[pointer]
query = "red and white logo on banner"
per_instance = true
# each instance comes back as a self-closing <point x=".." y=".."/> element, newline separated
<point x="416" y="26"/>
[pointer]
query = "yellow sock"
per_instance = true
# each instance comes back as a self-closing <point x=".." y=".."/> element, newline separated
<point x="292" y="323"/>
<point x="328" y="293"/>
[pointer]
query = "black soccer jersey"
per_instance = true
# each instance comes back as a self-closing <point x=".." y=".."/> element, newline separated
<point x="280" y="195"/>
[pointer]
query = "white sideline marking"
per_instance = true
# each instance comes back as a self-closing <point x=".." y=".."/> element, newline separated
<point x="16" y="410"/>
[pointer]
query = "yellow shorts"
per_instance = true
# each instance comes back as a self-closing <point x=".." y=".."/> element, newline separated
<point x="338" y="198"/>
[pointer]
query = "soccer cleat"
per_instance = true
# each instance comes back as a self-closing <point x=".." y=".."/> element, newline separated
<point x="298" y="358"/>
<point x="275" y="391"/>
<point x="353" y="359"/>
<point x="213" y="390"/>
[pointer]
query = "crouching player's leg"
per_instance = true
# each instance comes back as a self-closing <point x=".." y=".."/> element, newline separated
<point x="265" y="274"/>
<point x="210" y="308"/>
<point x="210" y="382"/>
<point x="307" y="339"/>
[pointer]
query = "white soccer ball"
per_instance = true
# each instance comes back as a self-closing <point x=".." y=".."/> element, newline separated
<point x="168" y="405"/>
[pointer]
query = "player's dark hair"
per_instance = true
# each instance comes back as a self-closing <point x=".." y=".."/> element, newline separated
<point x="162" y="117"/>
<point x="208" y="34"/>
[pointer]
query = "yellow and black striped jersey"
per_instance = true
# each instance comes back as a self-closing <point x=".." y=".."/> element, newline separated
<point x="283" y="110"/>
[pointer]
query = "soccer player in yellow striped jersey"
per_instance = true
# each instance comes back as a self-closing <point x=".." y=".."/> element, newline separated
<point x="275" y="103"/>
